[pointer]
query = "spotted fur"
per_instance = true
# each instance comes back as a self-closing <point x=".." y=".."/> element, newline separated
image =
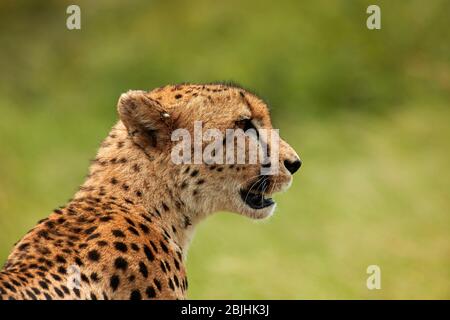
<point x="127" y="230"/>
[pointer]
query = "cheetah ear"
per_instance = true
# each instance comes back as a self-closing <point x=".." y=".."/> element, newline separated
<point x="148" y="124"/>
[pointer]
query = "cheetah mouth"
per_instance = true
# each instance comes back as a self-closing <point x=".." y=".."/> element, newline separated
<point x="255" y="195"/>
<point x="256" y="200"/>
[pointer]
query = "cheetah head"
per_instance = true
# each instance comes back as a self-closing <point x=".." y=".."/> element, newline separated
<point x="161" y="121"/>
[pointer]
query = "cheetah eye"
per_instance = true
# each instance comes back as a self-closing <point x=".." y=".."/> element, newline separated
<point x="245" y="125"/>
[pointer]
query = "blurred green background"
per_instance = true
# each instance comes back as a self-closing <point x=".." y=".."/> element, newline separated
<point x="368" y="111"/>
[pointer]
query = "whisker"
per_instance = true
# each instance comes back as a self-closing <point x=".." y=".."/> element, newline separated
<point x="248" y="180"/>
<point x="251" y="187"/>
<point x="274" y="184"/>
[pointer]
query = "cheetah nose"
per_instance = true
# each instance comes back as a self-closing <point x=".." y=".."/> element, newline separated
<point x="292" y="166"/>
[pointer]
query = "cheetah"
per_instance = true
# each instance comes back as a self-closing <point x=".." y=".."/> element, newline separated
<point x="126" y="232"/>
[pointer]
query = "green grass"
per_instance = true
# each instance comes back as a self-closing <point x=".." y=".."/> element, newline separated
<point x="371" y="191"/>
<point x="367" y="110"/>
<point x="364" y="196"/>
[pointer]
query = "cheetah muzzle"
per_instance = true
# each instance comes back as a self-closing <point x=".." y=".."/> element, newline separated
<point x="254" y="195"/>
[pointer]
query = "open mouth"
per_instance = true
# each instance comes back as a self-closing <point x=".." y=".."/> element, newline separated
<point x="254" y="196"/>
<point x="256" y="200"/>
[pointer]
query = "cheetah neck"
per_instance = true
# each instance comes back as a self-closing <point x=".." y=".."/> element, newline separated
<point x="121" y="173"/>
